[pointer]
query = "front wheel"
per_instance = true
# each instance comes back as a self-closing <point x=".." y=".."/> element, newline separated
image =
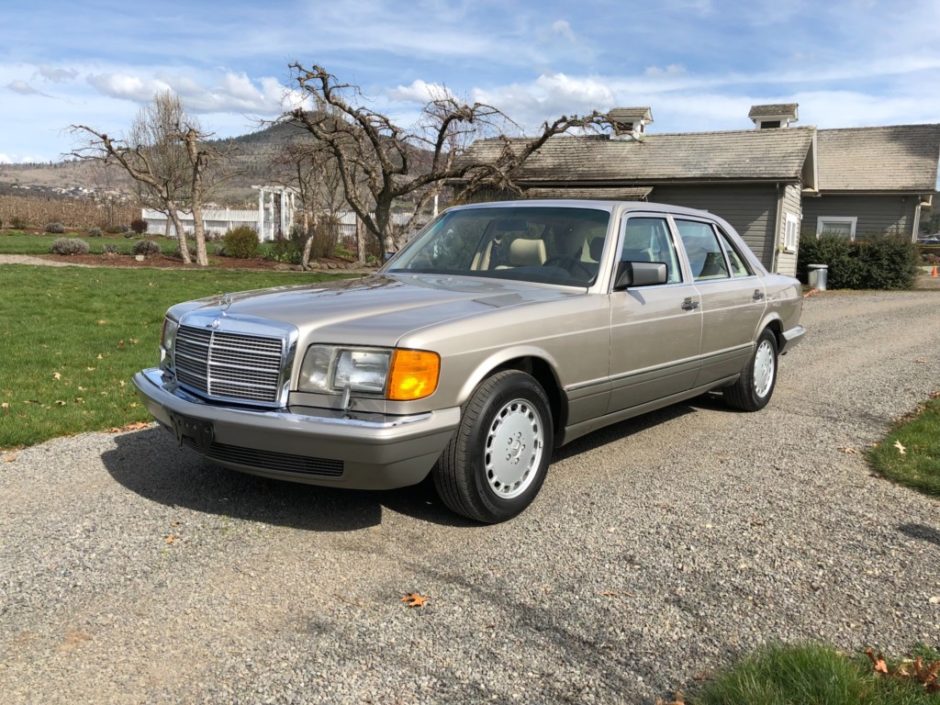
<point x="756" y="384"/>
<point x="497" y="461"/>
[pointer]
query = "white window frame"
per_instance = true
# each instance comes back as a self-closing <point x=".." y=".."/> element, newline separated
<point x="851" y="220"/>
<point x="791" y="232"/>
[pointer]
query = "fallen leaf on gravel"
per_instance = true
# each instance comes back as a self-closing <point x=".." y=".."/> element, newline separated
<point x="135" y="426"/>
<point x="935" y="600"/>
<point x="921" y="361"/>
<point x="848" y="450"/>
<point x="10" y="457"/>
<point x="877" y="662"/>
<point x="935" y="395"/>
<point x="415" y="599"/>
<point x="73" y="638"/>
<point x="56" y="376"/>
<point x="170" y="539"/>
<point x="811" y="292"/>
<point x="678" y="698"/>
<point x="901" y="449"/>
<point x="608" y="593"/>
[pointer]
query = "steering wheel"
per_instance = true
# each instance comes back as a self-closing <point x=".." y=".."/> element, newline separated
<point x="570" y="264"/>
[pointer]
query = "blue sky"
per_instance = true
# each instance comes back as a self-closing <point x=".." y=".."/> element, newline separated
<point x="700" y="64"/>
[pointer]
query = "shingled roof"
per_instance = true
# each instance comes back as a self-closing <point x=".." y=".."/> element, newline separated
<point x="693" y="156"/>
<point x="773" y="110"/>
<point x="894" y="158"/>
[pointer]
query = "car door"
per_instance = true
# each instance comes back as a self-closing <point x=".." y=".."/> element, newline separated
<point x="655" y="331"/>
<point x="732" y="298"/>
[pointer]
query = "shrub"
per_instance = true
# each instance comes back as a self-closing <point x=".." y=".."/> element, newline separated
<point x="139" y="226"/>
<point x="110" y="249"/>
<point x="54" y="228"/>
<point x="94" y="232"/>
<point x="18" y="223"/>
<point x="115" y="229"/>
<point x="882" y="262"/>
<point x="69" y="246"/>
<point x="241" y="242"/>
<point x="147" y="248"/>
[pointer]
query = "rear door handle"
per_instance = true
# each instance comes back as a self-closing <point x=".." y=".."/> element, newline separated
<point x="758" y="295"/>
<point x="689" y="304"/>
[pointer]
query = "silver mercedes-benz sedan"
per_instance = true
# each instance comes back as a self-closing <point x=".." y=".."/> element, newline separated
<point x="499" y="333"/>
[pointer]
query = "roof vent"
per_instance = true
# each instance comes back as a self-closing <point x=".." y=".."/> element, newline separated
<point x="774" y="115"/>
<point x="629" y="123"/>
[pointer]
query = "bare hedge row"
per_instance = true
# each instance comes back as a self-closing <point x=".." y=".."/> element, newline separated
<point x="36" y="211"/>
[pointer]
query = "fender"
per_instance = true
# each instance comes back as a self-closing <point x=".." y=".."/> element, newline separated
<point x="500" y="357"/>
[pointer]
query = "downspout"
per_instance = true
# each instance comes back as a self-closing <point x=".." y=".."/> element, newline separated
<point x="916" y="228"/>
<point x="779" y="220"/>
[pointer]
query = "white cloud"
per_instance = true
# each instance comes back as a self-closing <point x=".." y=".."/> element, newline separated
<point x="670" y="70"/>
<point x="57" y="75"/>
<point x="563" y="28"/>
<point x="23" y="88"/>
<point x="231" y="92"/>
<point x="419" y="92"/>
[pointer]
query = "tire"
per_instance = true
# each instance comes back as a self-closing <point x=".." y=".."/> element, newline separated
<point x="508" y="412"/>
<point x="758" y="379"/>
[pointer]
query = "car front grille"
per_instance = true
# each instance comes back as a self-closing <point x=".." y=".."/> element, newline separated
<point x="229" y="365"/>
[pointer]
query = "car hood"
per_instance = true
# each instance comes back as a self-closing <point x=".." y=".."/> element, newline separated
<point x="376" y="310"/>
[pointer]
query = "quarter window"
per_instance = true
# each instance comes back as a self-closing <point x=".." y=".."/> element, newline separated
<point x="648" y="240"/>
<point x="739" y="267"/>
<point x="705" y="253"/>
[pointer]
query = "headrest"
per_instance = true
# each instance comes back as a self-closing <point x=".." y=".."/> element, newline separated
<point x="597" y="247"/>
<point x="525" y="252"/>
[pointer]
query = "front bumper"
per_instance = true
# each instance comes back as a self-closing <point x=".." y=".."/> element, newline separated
<point x="313" y="446"/>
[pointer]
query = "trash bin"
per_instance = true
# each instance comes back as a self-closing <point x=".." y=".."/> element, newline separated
<point x="818" y="274"/>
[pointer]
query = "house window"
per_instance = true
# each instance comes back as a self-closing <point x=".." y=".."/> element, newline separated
<point x="791" y="233"/>
<point x="836" y="225"/>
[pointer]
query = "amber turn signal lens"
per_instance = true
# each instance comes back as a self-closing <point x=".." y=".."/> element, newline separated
<point x="414" y="374"/>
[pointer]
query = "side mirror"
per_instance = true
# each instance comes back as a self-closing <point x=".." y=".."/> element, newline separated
<point x="639" y="274"/>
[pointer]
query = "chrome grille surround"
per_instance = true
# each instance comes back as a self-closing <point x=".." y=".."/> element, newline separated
<point x="233" y="359"/>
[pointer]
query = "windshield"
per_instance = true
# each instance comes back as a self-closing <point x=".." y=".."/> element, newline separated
<point x="553" y="245"/>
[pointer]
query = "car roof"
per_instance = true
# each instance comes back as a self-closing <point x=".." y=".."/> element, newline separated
<point x="596" y="204"/>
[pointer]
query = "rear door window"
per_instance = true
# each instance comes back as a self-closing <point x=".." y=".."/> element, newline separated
<point x="706" y="255"/>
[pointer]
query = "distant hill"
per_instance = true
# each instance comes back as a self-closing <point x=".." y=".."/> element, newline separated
<point x="249" y="162"/>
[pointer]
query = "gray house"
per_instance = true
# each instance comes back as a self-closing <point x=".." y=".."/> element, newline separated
<point x="873" y="180"/>
<point x="760" y="180"/>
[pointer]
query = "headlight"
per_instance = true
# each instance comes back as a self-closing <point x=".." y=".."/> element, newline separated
<point x="396" y="374"/>
<point x="168" y="336"/>
<point x="329" y="370"/>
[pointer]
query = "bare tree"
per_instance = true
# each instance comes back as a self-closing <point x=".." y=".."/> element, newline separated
<point x="166" y="156"/>
<point x="382" y="164"/>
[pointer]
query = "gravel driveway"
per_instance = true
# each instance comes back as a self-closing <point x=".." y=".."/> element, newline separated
<point x="660" y="548"/>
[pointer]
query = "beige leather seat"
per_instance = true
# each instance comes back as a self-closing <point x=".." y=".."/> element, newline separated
<point x="527" y="252"/>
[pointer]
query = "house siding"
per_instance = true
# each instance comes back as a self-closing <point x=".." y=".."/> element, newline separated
<point x="752" y="210"/>
<point x="792" y="203"/>
<point x="877" y="215"/>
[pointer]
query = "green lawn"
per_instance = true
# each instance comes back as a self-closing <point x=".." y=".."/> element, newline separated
<point x="71" y="338"/>
<point x="810" y="675"/>
<point x="919" y="465"/>
<point x="16" y="242"/>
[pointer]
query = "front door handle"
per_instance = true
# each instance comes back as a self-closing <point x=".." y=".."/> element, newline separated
<point x="689" y="304"/>
<point x="758" y="295"/>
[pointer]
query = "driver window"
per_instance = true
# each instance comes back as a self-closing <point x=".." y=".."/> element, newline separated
<point x="648" y="240"/>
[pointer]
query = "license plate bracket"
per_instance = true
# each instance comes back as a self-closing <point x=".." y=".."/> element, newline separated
<point x="199" y="431"/>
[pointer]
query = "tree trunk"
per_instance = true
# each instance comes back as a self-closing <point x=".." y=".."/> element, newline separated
<point x="180" y="234"/>
<point x="360" y="242"/>
<point x="202" y="256"/>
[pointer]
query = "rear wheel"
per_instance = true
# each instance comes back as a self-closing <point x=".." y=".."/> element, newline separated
<point x="497" y="461"/>
<point x="756" y="385"/>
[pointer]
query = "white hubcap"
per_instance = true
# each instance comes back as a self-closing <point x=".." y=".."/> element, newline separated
<point x="514" y="446"/>
<point x="764" y="368"/>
